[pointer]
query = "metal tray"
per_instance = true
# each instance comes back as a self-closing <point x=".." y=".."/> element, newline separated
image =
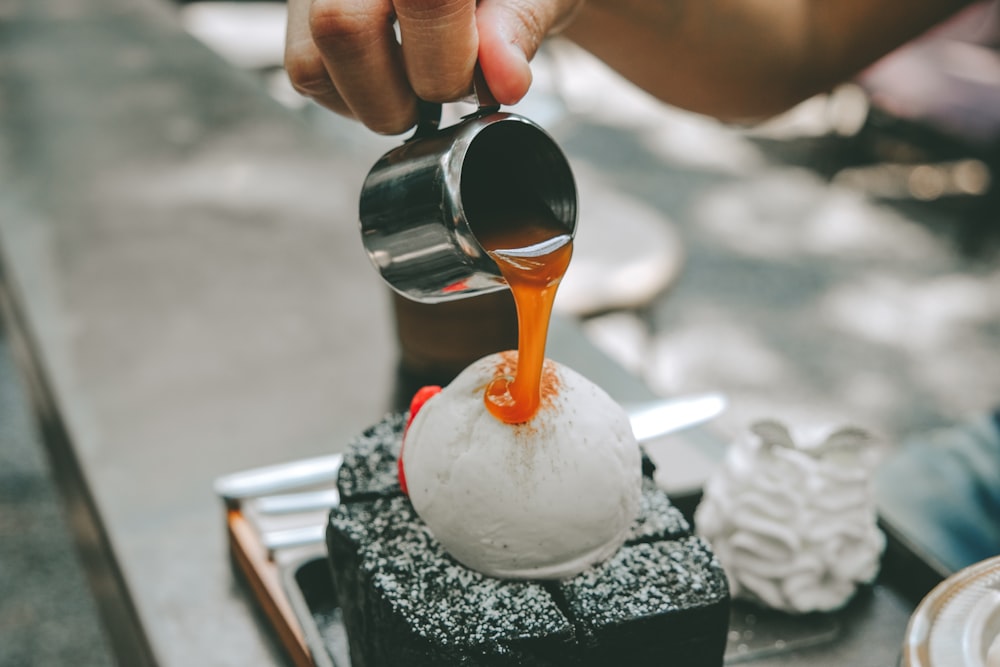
<point x="291" y="581"/>
<point x="867" y="633"/>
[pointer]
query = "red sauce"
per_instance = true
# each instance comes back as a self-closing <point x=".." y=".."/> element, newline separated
<point x="533" y="255"/>
<point x="423" y="395"/>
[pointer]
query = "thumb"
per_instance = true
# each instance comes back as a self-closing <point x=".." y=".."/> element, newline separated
<point x="510" y="32"/>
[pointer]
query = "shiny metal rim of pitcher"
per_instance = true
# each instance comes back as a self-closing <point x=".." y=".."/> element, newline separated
<point x="452" y="144"/>
<point x="482" y="273"/>
<point x="454" y="165"/>
<point x="454" y="162"/>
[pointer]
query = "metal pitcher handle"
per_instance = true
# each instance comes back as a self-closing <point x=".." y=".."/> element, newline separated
<point x="429" y="113"/>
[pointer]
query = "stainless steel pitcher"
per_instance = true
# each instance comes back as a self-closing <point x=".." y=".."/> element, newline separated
<point x="421" y="201"/>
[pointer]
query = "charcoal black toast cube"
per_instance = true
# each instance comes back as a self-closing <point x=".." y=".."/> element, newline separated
<point x="662" y="599"/>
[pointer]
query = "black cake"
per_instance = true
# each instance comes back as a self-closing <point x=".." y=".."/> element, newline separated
<point x="662" y="599"/>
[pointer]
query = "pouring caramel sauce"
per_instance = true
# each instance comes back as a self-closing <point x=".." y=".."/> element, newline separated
<point x="532" y="251"/>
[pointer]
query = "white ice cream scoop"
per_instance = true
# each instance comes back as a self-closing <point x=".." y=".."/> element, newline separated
<point x="542" y="499"/>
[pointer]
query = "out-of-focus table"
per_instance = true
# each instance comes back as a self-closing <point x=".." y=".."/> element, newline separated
<point x="186" y="290"/>
<point x="183" y="282"/>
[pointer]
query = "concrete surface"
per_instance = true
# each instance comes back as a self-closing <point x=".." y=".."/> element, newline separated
<point x="47" y="613"/>
<point x="819" y="280"/>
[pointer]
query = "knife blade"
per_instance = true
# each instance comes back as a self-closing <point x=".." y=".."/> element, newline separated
<point x="658" y="418"/>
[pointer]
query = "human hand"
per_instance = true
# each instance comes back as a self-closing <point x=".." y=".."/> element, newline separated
<point x="344" y="54"/>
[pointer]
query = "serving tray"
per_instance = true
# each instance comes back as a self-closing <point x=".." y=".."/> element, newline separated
<point x="301" y="604"/>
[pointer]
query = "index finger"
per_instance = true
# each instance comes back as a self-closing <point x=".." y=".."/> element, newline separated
<point x="440" y="46"/>
<point x="357" y="44"/>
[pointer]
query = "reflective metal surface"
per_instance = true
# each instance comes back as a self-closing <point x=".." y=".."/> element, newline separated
<point x="415" y="202"/>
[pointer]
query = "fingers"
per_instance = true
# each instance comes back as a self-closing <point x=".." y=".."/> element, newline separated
<point x="510" y="32"/>
<point x="358" y="45"/>
<point x="440" y="46"/>
<point x="304" y="64"/>
<point x="344" y="53"/>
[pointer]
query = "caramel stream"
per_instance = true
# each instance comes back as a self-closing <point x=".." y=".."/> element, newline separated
<point x="532" y="256"/>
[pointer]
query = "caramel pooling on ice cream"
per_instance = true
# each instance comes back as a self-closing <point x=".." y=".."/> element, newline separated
<point x="532" y="256"/>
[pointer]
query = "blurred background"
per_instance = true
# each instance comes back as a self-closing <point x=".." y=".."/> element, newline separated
<point x="860" y="214"/>
<point x="891" y="175"/>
